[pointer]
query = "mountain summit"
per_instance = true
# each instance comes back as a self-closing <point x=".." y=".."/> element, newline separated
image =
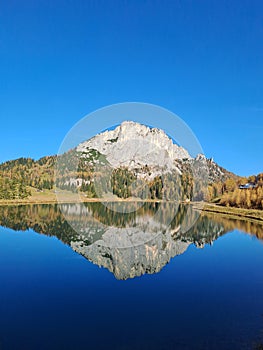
<point x="134" y="145"/>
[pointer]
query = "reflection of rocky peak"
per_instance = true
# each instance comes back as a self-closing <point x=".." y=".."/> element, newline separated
<point x="134" y="145"/>
<point x="143" y="248"/>
<point x="133" y="261"/>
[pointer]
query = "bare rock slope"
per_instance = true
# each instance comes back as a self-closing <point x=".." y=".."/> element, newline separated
<point x="133" y="145"/>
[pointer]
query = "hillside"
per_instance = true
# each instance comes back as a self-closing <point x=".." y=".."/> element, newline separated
<point x="16" y="176"/>
<point x="238" y="196"/>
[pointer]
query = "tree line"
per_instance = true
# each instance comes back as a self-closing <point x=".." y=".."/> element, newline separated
<point x="18" y="176"/>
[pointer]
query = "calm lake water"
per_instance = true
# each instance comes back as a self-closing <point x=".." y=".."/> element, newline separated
<point x="140" y="280"/>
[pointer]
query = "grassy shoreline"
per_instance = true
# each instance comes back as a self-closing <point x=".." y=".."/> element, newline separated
<point x="252" y="214"/>
<point x="49" y="197"/>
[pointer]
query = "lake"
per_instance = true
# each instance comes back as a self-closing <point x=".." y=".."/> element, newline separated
<point x="151" y="278"/>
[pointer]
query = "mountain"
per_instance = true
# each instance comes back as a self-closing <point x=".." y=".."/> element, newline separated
<point x="135" y="156"/>
<point x="134" y="146"/>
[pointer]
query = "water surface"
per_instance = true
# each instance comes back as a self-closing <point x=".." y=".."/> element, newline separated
<point x="104" y="287"/>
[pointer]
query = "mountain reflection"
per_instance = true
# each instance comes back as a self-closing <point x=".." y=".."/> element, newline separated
<point x="127" y="244"/>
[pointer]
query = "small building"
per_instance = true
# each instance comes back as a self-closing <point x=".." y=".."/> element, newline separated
<point x="247" y="186"/>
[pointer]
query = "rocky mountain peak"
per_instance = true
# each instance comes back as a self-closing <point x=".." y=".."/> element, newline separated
<point x="134" y="145"/>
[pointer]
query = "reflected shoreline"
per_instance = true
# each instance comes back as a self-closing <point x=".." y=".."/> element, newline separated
<point x="242" y="213"/>
<point x="128" y="244"/>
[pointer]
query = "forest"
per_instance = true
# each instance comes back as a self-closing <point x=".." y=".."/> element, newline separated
<point x="228" y="193"/>
<point x="18" y="177"/>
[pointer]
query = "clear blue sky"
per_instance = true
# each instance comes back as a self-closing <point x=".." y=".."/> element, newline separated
<point x="203" y="60"/>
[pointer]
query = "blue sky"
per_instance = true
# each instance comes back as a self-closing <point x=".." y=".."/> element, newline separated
<point x="203" y="60"/>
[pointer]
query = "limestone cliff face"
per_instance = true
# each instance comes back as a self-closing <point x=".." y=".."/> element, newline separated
<point x="133" y="145"/>
<point x="149" y="152"/>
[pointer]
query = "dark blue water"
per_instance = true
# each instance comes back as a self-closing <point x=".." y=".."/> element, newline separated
<point x="53" y="298"/>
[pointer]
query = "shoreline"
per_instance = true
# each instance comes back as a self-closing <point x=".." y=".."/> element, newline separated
<point x="232" y="212"/>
